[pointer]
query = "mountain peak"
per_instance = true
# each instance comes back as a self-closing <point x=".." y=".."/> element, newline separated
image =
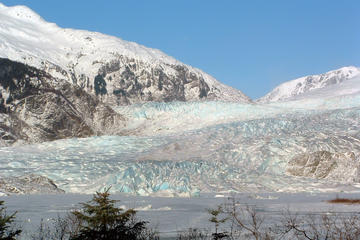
<point x="20" y="12"/>
<point x="350" y="71"/>
<point x="309" y="83"/>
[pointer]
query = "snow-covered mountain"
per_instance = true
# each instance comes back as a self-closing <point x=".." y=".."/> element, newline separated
<point x="117" y="71"/>
<point x="307" y="85"/>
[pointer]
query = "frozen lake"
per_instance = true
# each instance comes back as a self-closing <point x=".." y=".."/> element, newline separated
<point x="170" y="215"/>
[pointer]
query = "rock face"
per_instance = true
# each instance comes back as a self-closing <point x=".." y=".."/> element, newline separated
<point x="28" y="184"/>
<point x="116" y="71"/>
<point x="35" y="107"/>
<point x="344" y="167"/>
<point x="306" y="84"/>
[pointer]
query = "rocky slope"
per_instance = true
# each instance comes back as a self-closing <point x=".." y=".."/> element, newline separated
<point x="27" y="184"/>
<point x="35" y="107"/>
<point x="308" y="84"/>
<point x="116" y="71"/>
<point x="343" y="167"/>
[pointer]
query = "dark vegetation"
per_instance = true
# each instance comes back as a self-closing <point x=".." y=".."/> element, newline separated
<point x="100" y="219"/>
<point x="344" y="201"/>
<point x="234" y="220"/>
<point x="7" y="230"/>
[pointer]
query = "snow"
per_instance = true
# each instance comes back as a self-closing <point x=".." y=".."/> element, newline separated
<point x="348" y="88"/>
<point x="54" y="41"/>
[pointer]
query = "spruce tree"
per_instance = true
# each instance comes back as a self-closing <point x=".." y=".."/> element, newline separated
<point x="6" y="231"/>
<point x="101" y="219"/>
<point x="215" y="218"/>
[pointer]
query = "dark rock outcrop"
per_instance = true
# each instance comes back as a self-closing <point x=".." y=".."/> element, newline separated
<point x="343" y="167"/>
<point x="35" y="107"/>
<point x="124" y="81"/>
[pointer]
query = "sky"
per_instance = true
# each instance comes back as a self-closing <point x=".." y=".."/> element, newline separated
<point x="250" y="45"/>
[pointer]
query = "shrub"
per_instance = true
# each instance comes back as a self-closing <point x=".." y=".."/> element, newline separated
<point x="193" y="234"/>
<point x="54" y="229"/>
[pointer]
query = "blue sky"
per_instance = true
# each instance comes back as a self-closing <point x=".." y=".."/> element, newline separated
<point x="250" y="45"/>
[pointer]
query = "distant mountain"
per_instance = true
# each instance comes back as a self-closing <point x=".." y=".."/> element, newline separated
<point x="116" y="71"/>
<point x="310" y="84"/>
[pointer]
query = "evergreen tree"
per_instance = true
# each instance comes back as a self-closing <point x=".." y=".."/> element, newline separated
<point x="6" y="232"/>
<point x="215" y="218"/>
<point x="101" y="219"/>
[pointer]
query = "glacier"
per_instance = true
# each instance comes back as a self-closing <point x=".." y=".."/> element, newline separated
<point x="187" y="149"/>
<point x="179" y="131"/>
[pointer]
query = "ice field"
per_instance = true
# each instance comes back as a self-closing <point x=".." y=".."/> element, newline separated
<point x="186" y="149"/>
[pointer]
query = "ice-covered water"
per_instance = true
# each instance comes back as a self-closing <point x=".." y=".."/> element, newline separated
<point x="190" y="148"/>
<point x="172" y="215"/>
